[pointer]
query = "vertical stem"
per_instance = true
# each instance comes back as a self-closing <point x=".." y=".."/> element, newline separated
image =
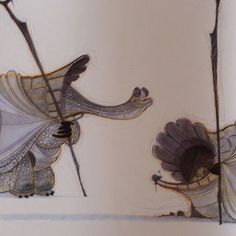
<point x="24" y="30"/>
<point x="77" y="167"/>
<point x="214" y="59"/>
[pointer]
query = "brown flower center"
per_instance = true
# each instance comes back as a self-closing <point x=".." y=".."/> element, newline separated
<point x="195" y="158"/>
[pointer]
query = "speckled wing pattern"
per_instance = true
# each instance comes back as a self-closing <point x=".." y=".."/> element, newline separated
<point x="187" y="151"/>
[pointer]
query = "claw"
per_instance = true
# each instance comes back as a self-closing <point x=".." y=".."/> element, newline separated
<point x="26" y="196"/>
<point x="51" y="193"/>
<point x="140" y="94"/>
<point x="67" y="123"/>
<point x="156" y="178"/>
<point x="64" y="131"/>
<point x="137" y="92"/>
<point x="64" y="135"/>
<point x="146" y="92"/>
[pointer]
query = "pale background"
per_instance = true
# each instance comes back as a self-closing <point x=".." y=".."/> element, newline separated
<point x="160" y="44"/>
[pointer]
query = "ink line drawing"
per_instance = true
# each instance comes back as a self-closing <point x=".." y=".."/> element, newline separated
<point x="40" y="113"/>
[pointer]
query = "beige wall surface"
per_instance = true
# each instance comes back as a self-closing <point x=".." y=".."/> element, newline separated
<point x="160" y="44"/>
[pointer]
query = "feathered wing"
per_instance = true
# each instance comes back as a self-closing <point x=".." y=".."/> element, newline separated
<point x="21" y="122"/>
<point x="204" y="197"/>
<point x="37" y="91"/>
<point x="229" y="188"/>
<point x="203" y="193"/>
<point x="26" y="109"/>
<point x="228" y="171"/>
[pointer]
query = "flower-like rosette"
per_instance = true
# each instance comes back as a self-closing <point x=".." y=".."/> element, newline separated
<point x="185" y="150"/>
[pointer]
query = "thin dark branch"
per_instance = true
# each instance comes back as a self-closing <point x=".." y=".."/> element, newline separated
<point x="214" y="59"/>
<point x="25" y="32"/>
<point x="6" y="2"/>
<point x="77" y="167"/>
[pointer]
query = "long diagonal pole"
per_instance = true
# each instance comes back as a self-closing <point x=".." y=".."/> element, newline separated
<point x="214" y="59"/>
<point x="25" y="32"/>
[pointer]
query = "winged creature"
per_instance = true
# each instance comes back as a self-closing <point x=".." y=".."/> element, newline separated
<point x="31" y="133"/>
<point x="188" y="151"/>
<point x="202" y="163"/>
